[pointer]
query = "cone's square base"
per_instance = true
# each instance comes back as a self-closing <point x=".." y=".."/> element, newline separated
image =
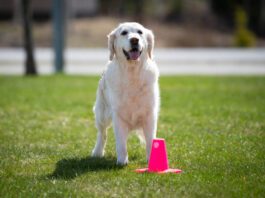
<point x="146" y="170"/>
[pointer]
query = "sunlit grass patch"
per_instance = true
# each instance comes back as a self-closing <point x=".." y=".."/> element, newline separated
<point x="214" y="129"/>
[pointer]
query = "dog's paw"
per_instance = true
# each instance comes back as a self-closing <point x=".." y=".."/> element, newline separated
<point x="96" y="153"/>
<point x="123" y="162"/>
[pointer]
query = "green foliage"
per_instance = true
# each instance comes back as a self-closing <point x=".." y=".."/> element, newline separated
<point x="214" y="129"/>
<point x="243" y="37"/>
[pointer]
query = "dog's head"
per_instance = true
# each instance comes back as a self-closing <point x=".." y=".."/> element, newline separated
<point x="131" y="42"/>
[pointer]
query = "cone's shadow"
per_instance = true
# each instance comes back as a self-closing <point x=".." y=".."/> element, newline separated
<point x="74" y="167"/>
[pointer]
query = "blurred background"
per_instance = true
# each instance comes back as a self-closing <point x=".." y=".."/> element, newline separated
<point x="55" y="25"/>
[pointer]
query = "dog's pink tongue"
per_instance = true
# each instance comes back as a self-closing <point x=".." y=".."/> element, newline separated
<point x="134" y="55"/>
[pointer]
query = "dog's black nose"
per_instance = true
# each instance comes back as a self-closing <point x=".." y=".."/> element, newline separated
<point x="134" y="41"/>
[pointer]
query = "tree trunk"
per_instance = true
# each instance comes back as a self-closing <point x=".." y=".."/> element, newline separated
<point x="30" y="64"/>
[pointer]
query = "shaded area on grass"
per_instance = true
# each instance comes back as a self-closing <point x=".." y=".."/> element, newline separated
<point x="74" y="167"/>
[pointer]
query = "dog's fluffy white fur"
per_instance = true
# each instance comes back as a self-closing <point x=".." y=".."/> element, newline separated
<point x="128" y="92"/>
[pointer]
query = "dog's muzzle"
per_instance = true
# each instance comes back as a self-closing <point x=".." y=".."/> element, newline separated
<point x="133" y="54"/>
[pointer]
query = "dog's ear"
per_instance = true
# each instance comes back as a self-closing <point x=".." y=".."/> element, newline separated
<point x="111" y="39"/>
<point x="151" y="43"/>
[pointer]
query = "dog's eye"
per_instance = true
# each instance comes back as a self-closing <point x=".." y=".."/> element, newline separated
<point x="123" y="33"/>
<point x="139" y="32"/>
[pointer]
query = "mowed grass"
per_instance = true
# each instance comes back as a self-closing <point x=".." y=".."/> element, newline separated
<point x="214" y="129"/>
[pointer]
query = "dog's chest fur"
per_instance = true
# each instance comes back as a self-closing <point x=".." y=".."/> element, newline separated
<point x="133" y="96"/>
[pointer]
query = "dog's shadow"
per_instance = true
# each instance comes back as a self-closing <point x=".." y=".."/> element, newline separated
<point x="74" y="167"/>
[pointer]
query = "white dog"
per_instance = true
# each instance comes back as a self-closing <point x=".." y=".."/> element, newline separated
<point x="128" y="92"/>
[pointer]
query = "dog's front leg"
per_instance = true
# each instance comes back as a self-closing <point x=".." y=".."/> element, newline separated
<point x="121" y="135"/>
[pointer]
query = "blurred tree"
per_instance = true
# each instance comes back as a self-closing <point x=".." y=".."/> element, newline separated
<point x="132" y="8"/>
<point x="175" y="10"/>
<point x="106" y="7"/>
<point x="226" y="10"/>
<point x="30" y="64"/>
<point x="256" y="13"/>
<point x="243" y="37"/>
<point x="103" y="7"/>
<point x="139" y="11"/>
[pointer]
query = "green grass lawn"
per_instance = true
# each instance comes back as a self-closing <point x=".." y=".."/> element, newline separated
<point x="214" y="129"/>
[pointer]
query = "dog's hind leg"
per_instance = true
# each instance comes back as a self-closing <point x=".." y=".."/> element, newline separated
<point x="102" y="122"/>
<point x="98" y="150"/>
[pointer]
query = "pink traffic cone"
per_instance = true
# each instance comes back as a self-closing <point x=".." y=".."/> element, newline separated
<point x="158" y="161"/>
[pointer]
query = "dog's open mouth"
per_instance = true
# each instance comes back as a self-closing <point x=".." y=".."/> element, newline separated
<point x="133" y="54"/>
